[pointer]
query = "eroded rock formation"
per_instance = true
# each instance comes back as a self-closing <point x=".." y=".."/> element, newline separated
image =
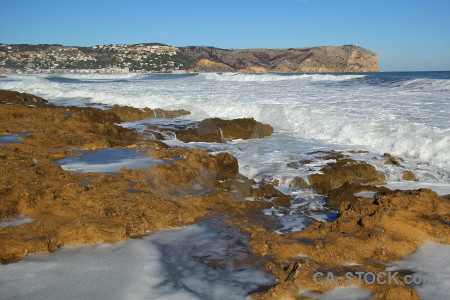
<point x="69" y="208"/>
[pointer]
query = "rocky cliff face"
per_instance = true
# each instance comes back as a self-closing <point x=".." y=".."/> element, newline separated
<point x="349" y="58"/>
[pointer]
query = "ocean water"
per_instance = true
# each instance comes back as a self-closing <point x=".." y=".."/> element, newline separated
<point x="405" y="114"/>
<point x="108" y="161"/>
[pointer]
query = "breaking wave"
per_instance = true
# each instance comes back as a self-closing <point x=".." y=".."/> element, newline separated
<point x="240" y="77"/>
<point x="406" y="115"/>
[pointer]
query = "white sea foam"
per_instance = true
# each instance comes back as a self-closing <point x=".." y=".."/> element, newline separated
<point x="365" y="194"/>
<point x="239" y="77"/>
<point x="339" y="293"/>
<point x="196" y="262"/>
<point x="431" y="265"/>
<point x="17" y="221"/>
<point x="407" y="117"/>
<point x="440" y="188"/>
<point x="96" y="76"/>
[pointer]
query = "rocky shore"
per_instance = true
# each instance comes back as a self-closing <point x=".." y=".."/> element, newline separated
<point x="73" y="208"/>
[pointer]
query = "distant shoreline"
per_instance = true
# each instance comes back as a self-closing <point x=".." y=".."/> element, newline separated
<point x="159" y="58"/>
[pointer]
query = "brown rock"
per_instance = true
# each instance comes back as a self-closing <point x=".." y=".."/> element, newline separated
<point x="367" y="230"/>
<point x="270" y="191"/>
<point x="79" y="208"/>
<point x="408" y="175"/>
<point x="90" y="114"/>
<point x="13" y="97"/>
<point x="218" y="130"/>
<point x="266" y="190"/>
<point x="346" y="192"/>
<point x="299" y="182"/>
<point x="391" y="160"/>
<point x="284" y="200"/>
<point x="344" y="170"/>
<point x="327" y="155"/>
<point x="227" y="165"/>
<point x="401" y="292"/>
<point x="132" y="114"/>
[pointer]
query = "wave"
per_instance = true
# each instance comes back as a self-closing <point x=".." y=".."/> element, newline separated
<point x="95" y="76"/>
<point x="412" y="84"/>
<point x="426" y="84"/>
<point x="240" y="77"/>
<point x="407" y="118"/>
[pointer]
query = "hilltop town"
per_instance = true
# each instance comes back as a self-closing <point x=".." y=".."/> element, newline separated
<point x="121" y="58"/>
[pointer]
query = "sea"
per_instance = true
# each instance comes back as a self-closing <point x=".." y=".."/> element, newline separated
<point x="405" y="114"/>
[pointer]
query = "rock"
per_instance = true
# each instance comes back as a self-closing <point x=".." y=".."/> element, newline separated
<point x="13" y="97"/>
<point x="204" y="131"/>
<point x="344" y="170"/>
<point x="227" y="163"/>
<point x="391" y="160"/>
<point x="270" y="191"/>
<point x="284" y="200"/>
<point x="292" y="165"/>
<point x="409" y="176"/>
<point x="218" y="130"/>
<point x="71" y="208"/>
<point x="346" y="192"/>
<point x="266" y="190"/>
<point x="401" y="292"/>
<point x="367" y="231"/>
<point x="299" y="182"/>
<point x="91" y="114"/>
<point x="245" y="128"/>
<point x="132" y="114"/>
<point x="357" y="151"/>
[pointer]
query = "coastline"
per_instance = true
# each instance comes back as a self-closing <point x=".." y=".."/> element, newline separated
<point x="73" y="208"/>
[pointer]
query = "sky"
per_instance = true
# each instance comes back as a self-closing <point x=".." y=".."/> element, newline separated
<point x="407" y="35"/>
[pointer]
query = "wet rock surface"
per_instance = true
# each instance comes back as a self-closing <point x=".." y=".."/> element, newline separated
<point x="344" y="170"/>
<point x="13" y="97"/>
<point x="367" y="234"/>
<point x="214" y="130"/>
<point x="70" y="208"/>
<point x="73" y="208"/>
<point x="131" y="114"/>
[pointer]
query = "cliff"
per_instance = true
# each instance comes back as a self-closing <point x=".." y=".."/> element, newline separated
<point x="349" y="58"/>
<point x="160" y="58"/>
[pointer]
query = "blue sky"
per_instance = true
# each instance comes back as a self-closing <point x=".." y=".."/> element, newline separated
<point x="407" y="35"/>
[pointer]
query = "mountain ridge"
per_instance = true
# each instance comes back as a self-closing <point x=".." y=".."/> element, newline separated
<point x="348" y="58"/>
<point x="162" y="58"/>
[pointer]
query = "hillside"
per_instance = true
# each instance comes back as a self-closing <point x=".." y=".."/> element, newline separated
<point x="120" y="58"/>
<point x="160" y="58"/>
<point x="348" y="58"/>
